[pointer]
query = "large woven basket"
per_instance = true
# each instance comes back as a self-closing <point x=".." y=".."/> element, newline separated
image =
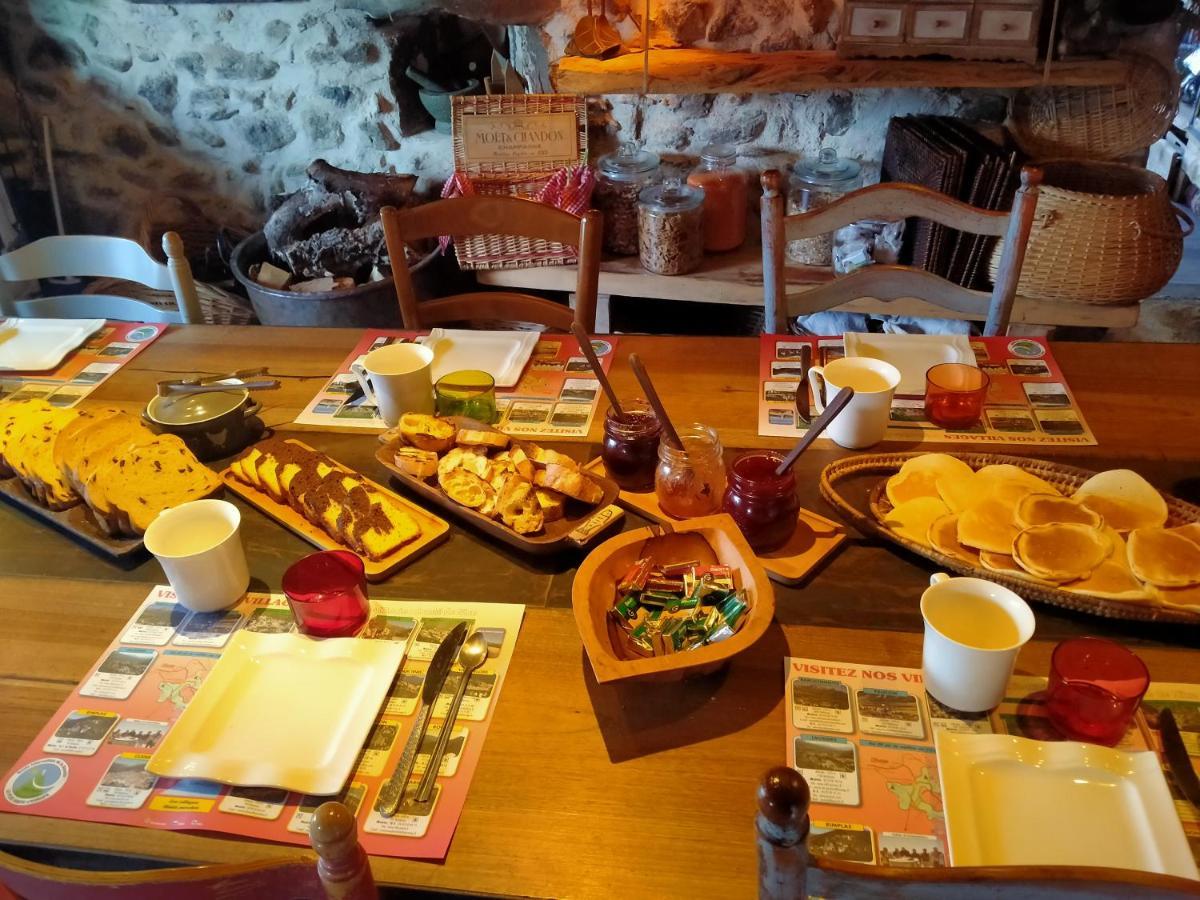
<point x="219" y="307"/>
<point x="1105" y="122"/>
<point x="854" y="487"/>
<point x="1103" y="233"/>
<point x="515" y="178"/>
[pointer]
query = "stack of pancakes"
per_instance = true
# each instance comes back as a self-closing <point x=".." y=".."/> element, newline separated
<point x="1108" y="539"/>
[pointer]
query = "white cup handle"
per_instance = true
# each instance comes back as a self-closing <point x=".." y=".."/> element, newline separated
<point x="364" y="381"/>
<point x="816" y="380"/>
<point x="938" y="578"/>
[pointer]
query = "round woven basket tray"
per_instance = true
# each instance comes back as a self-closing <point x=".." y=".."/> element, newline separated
<point x="868" y="473"/>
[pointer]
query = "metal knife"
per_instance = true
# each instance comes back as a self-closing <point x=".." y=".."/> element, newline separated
<point x="435" y="679"/>
<point x="802" y="408"/>
<point x="1178" y="760"/>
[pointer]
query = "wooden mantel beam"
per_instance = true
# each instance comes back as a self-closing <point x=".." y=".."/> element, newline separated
<point x="713" y="71"/>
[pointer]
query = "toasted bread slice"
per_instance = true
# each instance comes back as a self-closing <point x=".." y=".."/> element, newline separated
<point x="572" y="482"/>
<point x="551" y="504"/>
<point x="494" y="440"/>
<point x="518" y="506"/>
<point x="427" y="432"/>
<point x="417" y="463"/>
<point x="522" y="462"/>
<point x="543" y="457"/>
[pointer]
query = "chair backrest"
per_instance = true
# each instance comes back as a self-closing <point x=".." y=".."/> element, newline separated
<point x="340" y="871"/>
<point x="472" y="215"/>
<point x="884" y="282"/>
<point x="101" y="255"/>
<point x="786" y="871"/>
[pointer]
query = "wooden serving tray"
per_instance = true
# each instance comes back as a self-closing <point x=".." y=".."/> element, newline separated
<point x="578" y="528"/>
<point x="76" y="523"/>
<point x="433" y="529"/>
<point x="854" y="486"/>
<point x="815" y="537"/>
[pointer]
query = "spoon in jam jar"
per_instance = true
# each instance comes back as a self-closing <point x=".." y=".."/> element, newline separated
<point x="585" y="344"/>
<point x="835" y="406"/>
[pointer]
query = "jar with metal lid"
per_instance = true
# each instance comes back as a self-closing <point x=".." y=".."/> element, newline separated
<point x="620" y="178"/>
<point x="690" y="481"/>
<point x="816" y="183"/>
<point x="726" y="196"/>
<point x="671" y="227"/>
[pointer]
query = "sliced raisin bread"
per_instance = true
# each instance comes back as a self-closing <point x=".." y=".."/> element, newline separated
<point x="31" y="454"/>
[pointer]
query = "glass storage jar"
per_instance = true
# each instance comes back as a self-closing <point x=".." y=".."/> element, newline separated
<point x="691" y="481"/>
<point x="620" y="178"/>
<point x="726" y="196"/>
<point x="671" y="227"/>
<point x="764" y="505"/>
<point x="630" y="448"/>
<point x="816" y="183"/>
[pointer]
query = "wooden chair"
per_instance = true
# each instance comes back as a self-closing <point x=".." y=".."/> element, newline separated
<point x="787" y="872"/>
<point x="884" y="282"/>
<point x="111" y="257"/>
<point x="342" y="872"/>
<point x="495" y="215"/>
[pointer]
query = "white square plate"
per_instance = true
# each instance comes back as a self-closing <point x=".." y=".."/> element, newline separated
<point x="35" y="345"/>
<point x="912" y="354"/>
<point x="1011" y="801"/>
<point x="283" y="711"/>
<point x="502" y="354"/>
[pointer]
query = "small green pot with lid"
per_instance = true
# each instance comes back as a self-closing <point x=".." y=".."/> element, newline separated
<point x="212" y="424"/>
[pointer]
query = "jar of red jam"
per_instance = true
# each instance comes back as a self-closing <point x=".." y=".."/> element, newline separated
<point x="630" y="448"/>
<point x="764" y="505"/>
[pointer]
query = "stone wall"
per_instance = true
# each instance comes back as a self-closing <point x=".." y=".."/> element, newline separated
<point x="226" y="104"/>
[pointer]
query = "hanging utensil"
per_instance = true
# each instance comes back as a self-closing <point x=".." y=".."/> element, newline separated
<point x="835" y="406"/>
<point x="472" y="655"/>
<point x="635" y="363"/>
<point x="595" y="36"/>
<point x="435" y="680"/>
<point x="585" y="344"/>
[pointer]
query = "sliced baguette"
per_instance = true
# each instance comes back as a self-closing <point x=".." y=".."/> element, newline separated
<point x="427" y="432"/>
<point x="551" y="504"/>
<point x="572" y="482"/>
<point x="488" y="440"/>
<point x="543" y="457"/>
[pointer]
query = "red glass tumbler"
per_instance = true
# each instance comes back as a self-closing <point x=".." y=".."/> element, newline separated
<point x="954" y="394"/>
<point x="327" y="592"/>
<point x="1094" y="689"/>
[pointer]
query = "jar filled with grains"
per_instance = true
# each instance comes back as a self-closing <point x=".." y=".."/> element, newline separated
<point x="620" y="178"/>
<point x="816" y="183"/>
<point x="726" y="197"/>
<point x="671" y="227"/>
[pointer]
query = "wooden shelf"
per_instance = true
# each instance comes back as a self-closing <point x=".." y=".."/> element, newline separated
<point x="712" y="71"/>
<point x="735" y="278"/>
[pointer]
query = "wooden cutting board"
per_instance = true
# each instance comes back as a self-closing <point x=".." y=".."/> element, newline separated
<point x="815" y="537"/>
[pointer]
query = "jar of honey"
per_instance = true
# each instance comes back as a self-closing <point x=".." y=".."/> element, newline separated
<point x="691" y="481"/>
<point x="630" y="448"/>
<point x="764" y="505"/>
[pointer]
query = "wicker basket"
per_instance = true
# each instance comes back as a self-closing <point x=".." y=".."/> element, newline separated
<point x="1103" y="233"/>
<point x="219" y="307"/>
<point x="867" y="474"/>
<point x="1107" y="122"/>
<point x="516" y="178"/>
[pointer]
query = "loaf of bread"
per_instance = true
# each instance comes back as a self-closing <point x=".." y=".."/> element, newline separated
<point x="342" y="503"/>
<point x="133" y="486"/>
<point x="125" y="473"/>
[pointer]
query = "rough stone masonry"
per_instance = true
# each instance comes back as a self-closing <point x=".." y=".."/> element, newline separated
<point x="227" y="104"/>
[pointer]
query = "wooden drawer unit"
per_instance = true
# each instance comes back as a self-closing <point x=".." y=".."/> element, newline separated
<point x="960" y="29"/>
<point x="875" y="22"/>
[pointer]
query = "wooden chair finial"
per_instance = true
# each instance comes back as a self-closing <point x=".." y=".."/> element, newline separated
<point x="783" y="798"/>
<point x="343" y="866"/>
<point x="771" y="181"/>
<point x="1031" y="176"/>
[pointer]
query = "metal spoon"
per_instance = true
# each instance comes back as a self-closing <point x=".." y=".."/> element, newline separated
<point x="473" y="654"/>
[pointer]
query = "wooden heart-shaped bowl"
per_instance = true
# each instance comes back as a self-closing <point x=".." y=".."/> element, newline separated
<point x="709" y="539"/>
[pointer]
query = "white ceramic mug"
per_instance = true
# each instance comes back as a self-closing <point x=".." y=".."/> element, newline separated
<point x="397" y="379"/>
<point x="864" y="421"/>
<point x="958" y="673"/>
<point x="199" y="546"/>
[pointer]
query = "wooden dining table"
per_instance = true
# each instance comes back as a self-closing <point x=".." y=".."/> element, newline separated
<point x="583" y="790"/>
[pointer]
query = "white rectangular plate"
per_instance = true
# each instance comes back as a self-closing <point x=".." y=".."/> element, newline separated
<point x="502" y="354"/>
<point x="283" y="711"/>
<point x="912" y="354"/>
<point x="1011" y="801"/>
<point x="35" y="345"/>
